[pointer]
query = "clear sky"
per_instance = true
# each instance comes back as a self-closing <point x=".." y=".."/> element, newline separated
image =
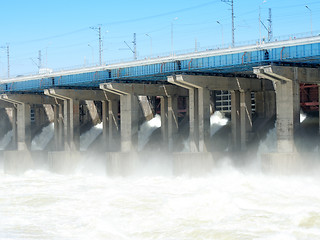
<point x="61" y="28"/>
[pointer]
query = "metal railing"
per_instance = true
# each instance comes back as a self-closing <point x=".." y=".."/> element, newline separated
<point x="179" y="53"/>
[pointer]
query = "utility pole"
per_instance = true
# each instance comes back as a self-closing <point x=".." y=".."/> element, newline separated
<point x="98" y="29"/>
<point x="100" y="46"/>
<point x="134" y="50"/>
<point x="230" y="2"/>
<point x="135" y="46"/>
<point x="39" y="58"/>
<point x="8" y="56"/>
<point x="270" y="26"/>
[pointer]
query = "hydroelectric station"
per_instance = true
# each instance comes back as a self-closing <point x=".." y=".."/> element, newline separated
<point x="257" y="86"/>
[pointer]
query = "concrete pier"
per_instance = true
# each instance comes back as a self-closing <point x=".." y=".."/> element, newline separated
<point x="286" y="81"/>
<point x="118" y="107"/>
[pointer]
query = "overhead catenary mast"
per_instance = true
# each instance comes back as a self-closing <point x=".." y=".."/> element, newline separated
<point x="230" y="2"/>
<point x="98" y="29"/>
<point x="135" y="46"/>
<point x="39" y="58"/>
<point x="270" y="26"/>
<point x="8" y="58"/>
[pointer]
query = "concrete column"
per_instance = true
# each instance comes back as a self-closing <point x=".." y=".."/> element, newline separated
<point x="110" y="124"/>
<point x="287" y="114"/>
<point x="265" y="104"/>
<point x="173" y="125"/>
<point x="71" y="125"/>
<point x="56" y="126"/>
<point x="204" y="118"/>
<point x="49" y="112"/>
<point x="129" y="108"/>
<point x="23" y="126"/>
<point x="113" y="112"/>
<point x="193" y="120"/>
<point x="93" y="112"/>
<point x="260" y="104"/>
<point x="61" y="136"/>
<point x="270" y="103"/>
<point x="66" y="125"/>
<point x="74" y="124"/>
<point x="245" y="118"/>
<point x="14" y="128"/>
<point x="296" y="98"/>
<point x="105" y="123"/>
<point x="235" y="119"/>
<point x="146" y="108"/>
<point x="164" y="121"/>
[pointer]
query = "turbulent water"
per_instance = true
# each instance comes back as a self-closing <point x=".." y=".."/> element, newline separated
<point x="226" y="204"/>
<point x="6" y="140"/>
<point x="40" y="141"/>
<point x="88" y="137"/>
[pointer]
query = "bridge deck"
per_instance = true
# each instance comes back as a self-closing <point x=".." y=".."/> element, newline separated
<point x="239" y="60"/>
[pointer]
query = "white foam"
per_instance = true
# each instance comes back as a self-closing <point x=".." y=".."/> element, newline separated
<point x="87" y="138"/>
<point x="6" y="140"/>
<point x="146" y="129"/>
<point x="40" y="141"/>
<point x="217" y="121"/>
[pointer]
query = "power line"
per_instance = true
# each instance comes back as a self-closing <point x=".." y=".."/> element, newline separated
<point x="163" y="14"/>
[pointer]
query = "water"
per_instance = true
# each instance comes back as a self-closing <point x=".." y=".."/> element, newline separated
<point x="6" y="140"/>
<point x="217" y="121"/>
<point x="40" y="141"/>
<point x="87" y="138"/>
<point x="146" y="129"/>
<point x="225" y="204"/>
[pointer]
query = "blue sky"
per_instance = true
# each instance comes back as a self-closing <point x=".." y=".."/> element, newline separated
<point x="61" y="28"/>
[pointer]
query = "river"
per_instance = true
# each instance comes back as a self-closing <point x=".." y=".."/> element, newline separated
<point x="227" y="203"/>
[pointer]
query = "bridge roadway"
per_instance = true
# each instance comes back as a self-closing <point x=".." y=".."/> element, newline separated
<point x="231" y="61"/>
<point x="273" y="71"/>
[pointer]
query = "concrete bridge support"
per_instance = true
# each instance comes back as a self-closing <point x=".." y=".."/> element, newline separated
<point x="199" y="110"/>
<point x="21" y="160"/>
<point x="58" y="127"/>
<point x="70" y="119"/>
<point x="199" y="113"/>
<point x="67" y="118"/>
<point x="110" y="110"/>
<point x="7" y="123"/>
<point x="199" y="158"/>
<point x="265" y="104"/>
<point x="169" y="105"/>
<point x="287" y="90"/>
<point x="129" y="118"/>
<point x="21" y="115"/>
<point x="287" y="106"/>
<point x="241" y="118"/>
<point x="240" y="88"/>
<point x="67" y="115"/>
<point x="125" y="161"/>
<point x="169" y="121"/>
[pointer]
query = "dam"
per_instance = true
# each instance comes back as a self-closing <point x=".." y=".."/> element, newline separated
<point x="265" y="83"/>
